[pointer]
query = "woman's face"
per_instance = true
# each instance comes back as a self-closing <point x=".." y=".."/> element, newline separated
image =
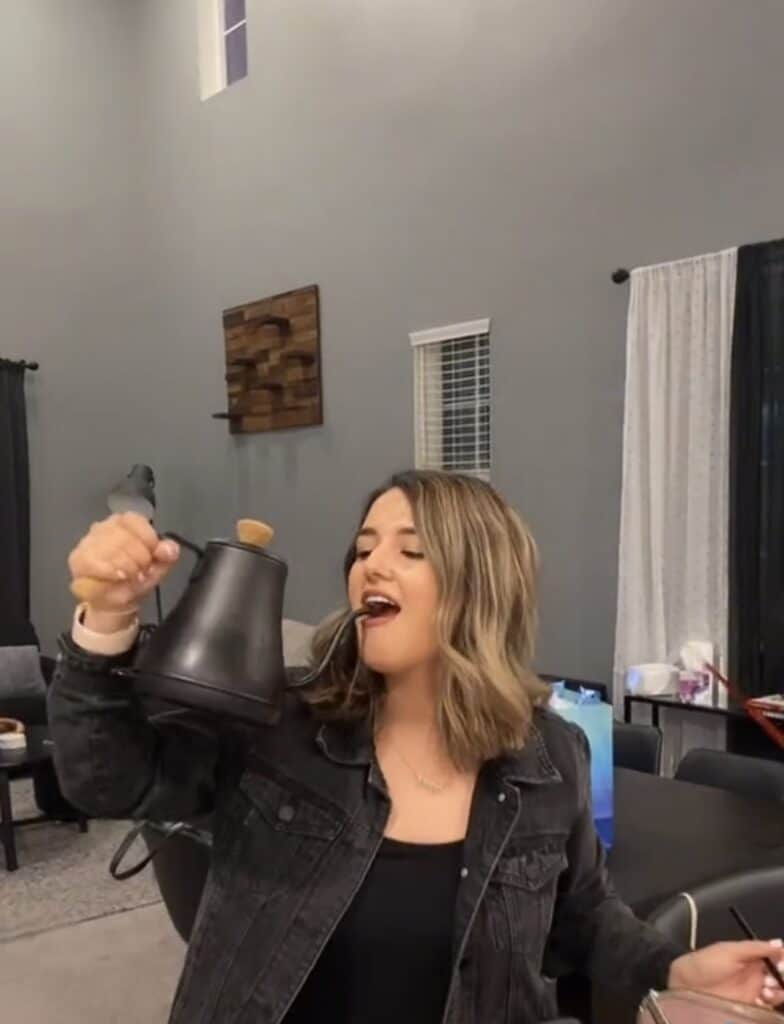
<point x="390" y="564"/>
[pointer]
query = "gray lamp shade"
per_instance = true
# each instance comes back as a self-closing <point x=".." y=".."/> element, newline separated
<point x="136" y="493"/>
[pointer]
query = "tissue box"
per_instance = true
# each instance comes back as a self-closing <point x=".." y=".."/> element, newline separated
<point x="596" y="720"/>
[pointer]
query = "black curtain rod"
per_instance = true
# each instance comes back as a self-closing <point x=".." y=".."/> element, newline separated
<point x="21" y="362"/>
<point x="621" y="275"/>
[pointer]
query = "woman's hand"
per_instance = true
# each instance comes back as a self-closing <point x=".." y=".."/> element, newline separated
<point x="128" y="556"/>
<point x="732" y="970"/>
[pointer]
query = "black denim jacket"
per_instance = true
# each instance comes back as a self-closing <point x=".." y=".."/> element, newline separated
<point x="298" y="815"/>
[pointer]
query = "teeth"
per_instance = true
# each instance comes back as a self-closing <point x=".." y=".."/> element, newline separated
<point x="378" y="599"/>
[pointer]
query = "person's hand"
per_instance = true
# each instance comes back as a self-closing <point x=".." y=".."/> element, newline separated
<point x="125" y="552"/>
<point x="732" y="970"/>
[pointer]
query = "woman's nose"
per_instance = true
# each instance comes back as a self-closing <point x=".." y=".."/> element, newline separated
<point x="377" y="562"/>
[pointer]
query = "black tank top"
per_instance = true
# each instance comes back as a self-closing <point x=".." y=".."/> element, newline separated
<point x="390" y="958"/>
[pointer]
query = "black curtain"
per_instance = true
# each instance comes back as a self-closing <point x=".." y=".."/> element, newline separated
<point x="15" y="625"/>
<point x="756" y="612"/>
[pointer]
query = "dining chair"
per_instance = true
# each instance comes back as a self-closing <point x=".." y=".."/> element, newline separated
<point x="703" y="917"/>
<point x="750" y="776"/>
<point x="637" y="746"/>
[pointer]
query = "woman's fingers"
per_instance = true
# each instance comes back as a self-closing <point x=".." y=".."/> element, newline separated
<point x="132" y="550"/>
<point x="99" y="568"/>
<point x="111" y="566"/>
<point x="137" y="525"/>
<point x="125" y="553"/>
<point x="751" y="950"/>
<point x="772" y="992"/>
<point x="125" y="564"/>
<point x="166" y="551"/>
<point x="154" y="575"/>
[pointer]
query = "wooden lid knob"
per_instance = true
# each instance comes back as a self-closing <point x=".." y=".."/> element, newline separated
<point x="254" y="532"/>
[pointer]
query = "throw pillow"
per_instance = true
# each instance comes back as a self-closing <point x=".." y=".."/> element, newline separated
<point x="20" y="672"/>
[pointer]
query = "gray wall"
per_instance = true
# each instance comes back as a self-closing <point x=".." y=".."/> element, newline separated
<point x="69" y="261"/>
<point x="424" y="163"/>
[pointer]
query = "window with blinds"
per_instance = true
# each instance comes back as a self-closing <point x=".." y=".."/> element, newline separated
<point x="452" y="398"/>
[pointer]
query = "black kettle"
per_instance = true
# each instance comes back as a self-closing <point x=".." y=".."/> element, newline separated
<point x="220" y="649"/>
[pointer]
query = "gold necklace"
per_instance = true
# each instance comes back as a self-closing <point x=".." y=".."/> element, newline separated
<point x="420" y="779"/>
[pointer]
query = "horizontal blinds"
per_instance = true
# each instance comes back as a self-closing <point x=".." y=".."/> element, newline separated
<point x="452" y="404"/>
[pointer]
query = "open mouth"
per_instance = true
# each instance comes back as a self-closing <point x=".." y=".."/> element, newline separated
<point x="380" y="609"/>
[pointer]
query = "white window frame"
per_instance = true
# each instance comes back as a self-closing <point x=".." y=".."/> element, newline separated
<point x="428" y="424"/>
<point x="213" y="72"/>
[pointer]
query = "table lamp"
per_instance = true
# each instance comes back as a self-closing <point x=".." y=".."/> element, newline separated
<point x="136" y="493"/>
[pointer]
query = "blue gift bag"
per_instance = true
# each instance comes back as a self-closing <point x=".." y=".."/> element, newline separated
<point x="596" y="720"/>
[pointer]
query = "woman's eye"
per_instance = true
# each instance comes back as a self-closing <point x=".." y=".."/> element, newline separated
<point x="360" y="555"/>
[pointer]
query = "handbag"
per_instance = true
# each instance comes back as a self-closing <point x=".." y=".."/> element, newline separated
<point x="684" y="1007"/>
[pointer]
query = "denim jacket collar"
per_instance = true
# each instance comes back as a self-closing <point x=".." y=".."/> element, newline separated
<point x="532" y="765"/>
<point x="351" y="743"/>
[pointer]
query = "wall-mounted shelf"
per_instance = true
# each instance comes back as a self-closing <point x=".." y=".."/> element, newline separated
<point x="273" y="363"/>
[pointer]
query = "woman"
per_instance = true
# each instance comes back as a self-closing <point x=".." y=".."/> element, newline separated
<point x="414" y="841"/>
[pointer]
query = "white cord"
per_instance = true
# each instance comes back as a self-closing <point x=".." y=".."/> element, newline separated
<point x="693" y="919"/>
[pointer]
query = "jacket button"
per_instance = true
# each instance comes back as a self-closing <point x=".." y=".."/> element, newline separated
<point x="286" y="813"/>
<point x="501" y="797"/>
<point x="464" y="872"/>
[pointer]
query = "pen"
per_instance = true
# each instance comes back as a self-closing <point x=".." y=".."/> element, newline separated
<point x="746" y="928"/>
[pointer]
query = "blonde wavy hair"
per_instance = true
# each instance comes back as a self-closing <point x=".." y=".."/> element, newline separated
<point x="486" y="565"/>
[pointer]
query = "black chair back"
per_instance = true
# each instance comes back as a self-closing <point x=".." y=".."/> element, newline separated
<point x="750" y="776"/>
<point x="756" y="893"/>
<point x="637" y="747"/>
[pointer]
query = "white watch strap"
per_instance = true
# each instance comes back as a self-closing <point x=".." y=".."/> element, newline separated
<point x="119" y="642"/>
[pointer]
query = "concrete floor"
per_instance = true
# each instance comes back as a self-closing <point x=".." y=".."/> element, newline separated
<point x="119" y="969"/>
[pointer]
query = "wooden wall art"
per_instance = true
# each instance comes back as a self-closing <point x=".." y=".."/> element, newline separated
<point x="273" y="363"/>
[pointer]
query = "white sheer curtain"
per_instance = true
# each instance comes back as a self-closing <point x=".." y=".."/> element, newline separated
<point x="673" y="560"/>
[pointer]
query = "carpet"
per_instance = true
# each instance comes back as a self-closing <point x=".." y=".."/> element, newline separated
<point x="63" y="875"/>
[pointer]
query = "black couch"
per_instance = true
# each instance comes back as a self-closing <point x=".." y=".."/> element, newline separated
<point x="32" y="711"/>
